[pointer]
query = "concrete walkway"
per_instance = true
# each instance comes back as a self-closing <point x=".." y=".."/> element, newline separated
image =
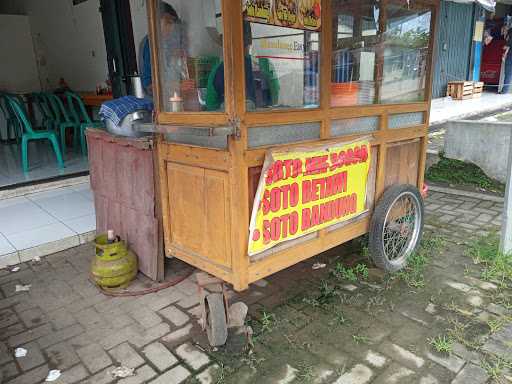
<point x="445" y="109"/>
<point x="311" y="326"/>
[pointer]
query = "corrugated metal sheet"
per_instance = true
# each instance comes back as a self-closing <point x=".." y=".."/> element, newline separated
<point x="453" y="49"/>
<point x="490" y="5"/>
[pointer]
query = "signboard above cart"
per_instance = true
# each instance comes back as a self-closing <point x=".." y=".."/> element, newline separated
<point x="298" y="14"/>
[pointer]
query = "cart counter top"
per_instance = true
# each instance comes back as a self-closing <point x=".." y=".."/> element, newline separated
<point x="188" y="130"/>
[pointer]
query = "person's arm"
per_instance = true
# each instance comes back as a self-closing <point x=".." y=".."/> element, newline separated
<point x="146" y="70"/>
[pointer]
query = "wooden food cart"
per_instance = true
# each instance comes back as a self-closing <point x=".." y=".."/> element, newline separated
<point x="344" y="91"/>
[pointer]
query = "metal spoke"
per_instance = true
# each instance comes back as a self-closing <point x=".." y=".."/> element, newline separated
<point x="401" y="227"/>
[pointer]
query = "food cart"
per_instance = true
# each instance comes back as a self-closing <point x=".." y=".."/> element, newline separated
<point x="286" y="128"/>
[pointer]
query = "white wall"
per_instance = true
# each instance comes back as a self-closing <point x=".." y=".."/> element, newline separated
<point x="69" y="42"/>
<point x="18" y="70"/>
<point x="139" y="24"/>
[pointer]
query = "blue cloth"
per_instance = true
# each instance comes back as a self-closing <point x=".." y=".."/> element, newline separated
<point x="116" y="110"/>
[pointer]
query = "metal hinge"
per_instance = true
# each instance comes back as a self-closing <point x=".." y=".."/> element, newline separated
<point x="235" y="123"/>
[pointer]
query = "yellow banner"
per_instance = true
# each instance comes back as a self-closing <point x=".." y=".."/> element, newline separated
<point x="299" y="14"/>
<point x="303" y="191"/>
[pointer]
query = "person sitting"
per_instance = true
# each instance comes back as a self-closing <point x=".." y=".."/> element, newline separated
<point x="218" y="76"/>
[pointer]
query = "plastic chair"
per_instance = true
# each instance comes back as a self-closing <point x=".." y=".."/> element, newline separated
<point x="63" y="121"/>
<point x="30" y="134"/>
<point x="46" y="112"/>
<point x="13" y="127"/>
<point x="80" y="116"/>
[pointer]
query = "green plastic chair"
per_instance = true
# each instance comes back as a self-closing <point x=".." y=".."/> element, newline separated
<point x="80" y="116"/>
<point x="46" y="112"/>
<point x="13" y="128"/>
<point x="63" y="121"/>
<point x="30" y="134"/>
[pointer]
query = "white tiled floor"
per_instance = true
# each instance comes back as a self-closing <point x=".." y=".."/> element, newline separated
<point x="34" y="221"/>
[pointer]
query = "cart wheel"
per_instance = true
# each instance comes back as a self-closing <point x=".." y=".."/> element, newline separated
<point x="216" y="321"/>
<point x="396" y="227"/>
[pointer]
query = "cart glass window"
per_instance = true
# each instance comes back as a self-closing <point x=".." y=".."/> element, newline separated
<point x="406" y="53"/>
<point x="355" y="46"/>
<point x="190" y="56"/>
<point x="282" y="54"/>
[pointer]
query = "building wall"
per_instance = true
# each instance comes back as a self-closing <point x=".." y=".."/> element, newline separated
<point x="18" y="68"/>
<point x="69" y="42"/>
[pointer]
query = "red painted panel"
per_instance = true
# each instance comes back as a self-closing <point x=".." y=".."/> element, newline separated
<point x="122" y="178"/>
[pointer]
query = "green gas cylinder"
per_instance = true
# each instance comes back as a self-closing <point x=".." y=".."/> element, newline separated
<point x="114" y="265"/>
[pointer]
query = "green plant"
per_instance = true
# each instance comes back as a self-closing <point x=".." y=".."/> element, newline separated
<point x="221" y="373"/>
<point x="497" y="266"/>
<point x="339" y="319"/>
<point x="458" y="172"/>
<point x="359" y="339"/>
<point x="412" y="274"/>
<point x="267" y="321"/>
<point x="304" y="373"/>
<point x="494" y="366"/>
<point x="496" y="325"/>
<point x="360" y="271"/>
<point x="442" y="344"/>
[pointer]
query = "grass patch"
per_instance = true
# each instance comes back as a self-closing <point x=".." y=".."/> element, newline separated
<point x="461" y="173"/>
<point x="495" y="366"/>
<point x="359" y="339"/>
<point x="359" y="272"/>
<point x="497" y="266"/>
<point x="268" y="321"/>
<point x="304" y="373"/>
<point x="442" y="344"/>
<point x="413" y="273"/>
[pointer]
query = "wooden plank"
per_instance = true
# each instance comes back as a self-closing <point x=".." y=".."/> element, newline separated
<point x="199" y="211"/>
<point x="196" y="156"/>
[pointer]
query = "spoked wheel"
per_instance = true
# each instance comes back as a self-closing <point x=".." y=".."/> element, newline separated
<point x="216" y="320"/>
<point x="396" y="227"/>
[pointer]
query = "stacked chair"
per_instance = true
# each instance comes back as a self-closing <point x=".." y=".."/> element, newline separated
<point x="58" y="115"/>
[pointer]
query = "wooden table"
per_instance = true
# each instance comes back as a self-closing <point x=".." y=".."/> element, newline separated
<point x="91" y="99"/>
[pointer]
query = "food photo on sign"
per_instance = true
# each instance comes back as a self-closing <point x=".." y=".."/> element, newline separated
<point x="304" y="190"/>
<point x="299" y="14"/>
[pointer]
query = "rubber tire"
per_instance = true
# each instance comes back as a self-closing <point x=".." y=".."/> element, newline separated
<point x="377" y="224"/>
<point x="216" y="321"/>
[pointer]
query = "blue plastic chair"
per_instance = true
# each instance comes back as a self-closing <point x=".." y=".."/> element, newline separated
<point x="30" y="134"/>
<point x="80" y="116"/>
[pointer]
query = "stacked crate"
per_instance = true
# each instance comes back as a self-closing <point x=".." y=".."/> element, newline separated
<point x="462" y="90"/>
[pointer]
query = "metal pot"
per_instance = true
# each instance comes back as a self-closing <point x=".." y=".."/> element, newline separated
<point x="126" y="126"/>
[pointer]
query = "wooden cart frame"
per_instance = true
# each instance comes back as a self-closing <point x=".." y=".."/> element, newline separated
<point x="205" y="194"/>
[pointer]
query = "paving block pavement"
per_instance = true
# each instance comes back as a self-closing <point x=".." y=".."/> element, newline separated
<point x="65" y="323"/>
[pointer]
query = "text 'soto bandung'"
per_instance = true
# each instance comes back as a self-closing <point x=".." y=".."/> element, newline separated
<point x="305" y="190"/>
